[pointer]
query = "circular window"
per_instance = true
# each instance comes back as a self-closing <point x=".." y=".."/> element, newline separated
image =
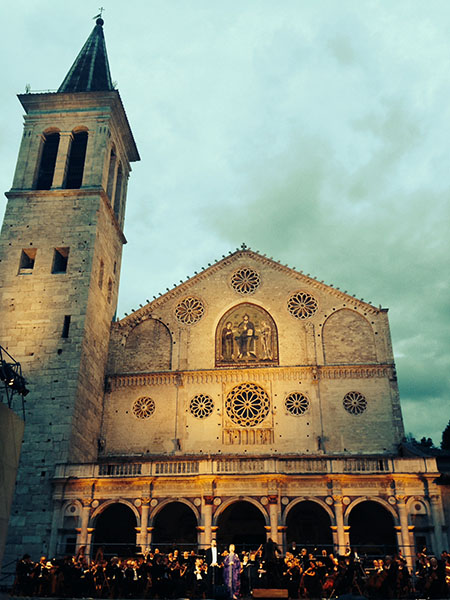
<point x="354" y="403"/>
<point x="201" y="406"/>
<point x="190" y="310"/>
<point x="296" y="404"/>
<point x="247" y="404"/>
<point x="143" y="408"/>
<point x="302" y="305"/>
<point x="245" y="281"/>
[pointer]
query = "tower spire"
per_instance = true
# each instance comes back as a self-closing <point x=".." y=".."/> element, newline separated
<point x="90" y="71"/>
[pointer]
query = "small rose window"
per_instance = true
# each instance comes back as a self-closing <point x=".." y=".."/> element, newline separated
<point x="354" y="403"/>
<point x="143" y="408"/>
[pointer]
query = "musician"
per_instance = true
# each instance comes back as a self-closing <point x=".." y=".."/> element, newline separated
<point x="245" y="575"/>
<point x="41" y="577"/>
<point x="23" y="582"/>
<point x="200" y="573"/>
<point x="292" y="575"/>
<point x="232" y="572"/>
<point x="213" y="572"/>
<point x="187" y="581"/>
<point x="270" y="556"/>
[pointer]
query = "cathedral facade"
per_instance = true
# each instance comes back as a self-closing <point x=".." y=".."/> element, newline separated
<point x="250" y="401"/>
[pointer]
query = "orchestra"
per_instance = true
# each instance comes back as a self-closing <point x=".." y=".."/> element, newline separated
<point x="206" y="574"/>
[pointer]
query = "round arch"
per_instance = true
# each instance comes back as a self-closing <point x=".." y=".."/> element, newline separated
<point x="148" y="347"/>
<point x="246" y="334"/>
<point x="380" y="501"/>
<point x="175" y="524"/>
<point x="115" y="530"/>
<point x="411" y="502"/>
<point x="308" y="523"/>
<point x="104" y="505"/>
<point x="80" y="128"/>
<point x="224" y="505"/>
<point x="296" y="501"/>
<point x="167" y="501"/>
<point x="241" y="522"/>
<point x="372" y="528"/>
<point x="51" y="130"/>
<point x="359" y="346"/>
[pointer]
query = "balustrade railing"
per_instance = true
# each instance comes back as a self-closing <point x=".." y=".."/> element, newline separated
<point x="219" y="466"/>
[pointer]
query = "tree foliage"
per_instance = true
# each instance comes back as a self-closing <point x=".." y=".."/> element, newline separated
<point x="445" y="444"/>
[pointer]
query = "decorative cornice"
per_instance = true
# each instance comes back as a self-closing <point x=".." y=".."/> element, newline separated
<point x="259" y="375"/>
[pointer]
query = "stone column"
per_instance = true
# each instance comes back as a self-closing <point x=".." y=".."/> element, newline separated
<point x="149" y="536"/>
<point x="398" y="533"/>
<point x="207" y="518"/>
<point x="144" y="522"/>
<point x="83" y="530"/>
<point x="53" y="542"/>
<point x="90" y="531"/>
<point x="59" y="176"/>
<point x="282" y="529"/>
<point x="342" y="536"/>
<point x="437" y="516"/>
<point x="405" y="544"/>
<point x="94" y="160"/>
<point x="273" y="515"/>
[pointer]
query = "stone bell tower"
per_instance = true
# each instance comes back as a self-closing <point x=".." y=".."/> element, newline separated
<point x="60" y="258"/>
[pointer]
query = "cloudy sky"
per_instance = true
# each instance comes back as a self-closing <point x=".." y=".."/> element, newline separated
<point x="316" y="131"/>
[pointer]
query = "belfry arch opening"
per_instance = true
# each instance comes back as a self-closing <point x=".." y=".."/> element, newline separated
<point x="309" y="525"/>
<point x="115" y="531"/>
<point x="372" y="529"/>
<point x="49" y="151"/>
<point x="175" y="525"/>
<point x="241" y="524"/>
<point x="76" y="159"/>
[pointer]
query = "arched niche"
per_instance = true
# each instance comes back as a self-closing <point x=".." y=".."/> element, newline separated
<point x="115" y="530"/>
<point x="372" y="528"/>
<point x="347" y="338"/>
<point x="241" y="522"/>
<point x="246" y="334"/>
<point x="47" y="159"/>
<point x="148" y="348"/>
<point x="174" y="524"/>
<point x="76" y="158"/>
<point x="308" y="523"/>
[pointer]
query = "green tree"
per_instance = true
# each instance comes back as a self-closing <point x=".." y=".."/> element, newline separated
<point x="445" y="444"/>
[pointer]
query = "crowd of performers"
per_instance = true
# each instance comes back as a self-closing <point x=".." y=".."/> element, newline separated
<point x="214" y="574"/>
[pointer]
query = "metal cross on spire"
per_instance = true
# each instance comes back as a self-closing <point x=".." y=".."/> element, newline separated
<point x="100" y="15"/>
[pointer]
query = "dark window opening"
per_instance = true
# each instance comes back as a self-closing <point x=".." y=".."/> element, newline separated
<point x="27" y="258"/>
<point x="66" y="327"/>
<point x="110" y="287"/>
<point x="60" y="259"/>
<point x="100" y="274"/>
<point x="48" y="161"/>
<point x="77" y="155"/>
<point x="112" y="168"/>
<point x="118" y="195"/>
<point x="70" y="546"/>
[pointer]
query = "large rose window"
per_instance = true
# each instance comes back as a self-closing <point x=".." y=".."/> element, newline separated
<point x="247" y="404"/>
